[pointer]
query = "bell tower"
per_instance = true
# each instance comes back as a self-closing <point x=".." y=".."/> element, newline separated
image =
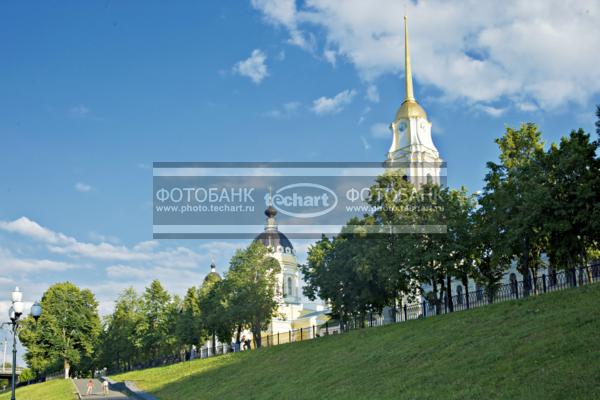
<point x="412" y="147"/>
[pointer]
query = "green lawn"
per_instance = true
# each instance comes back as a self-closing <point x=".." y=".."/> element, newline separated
<point x="546" y="347"/>
<point x="59" y="389"/>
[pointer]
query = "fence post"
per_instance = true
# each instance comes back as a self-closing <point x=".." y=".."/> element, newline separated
<point x="544" y="282"/>
<point x="517" y="289"/>
<point x="445" y="304"/>
<point x="424" y="310"/>
<point x="290" y="336"/>
<point x="314" y="331"/>
<point x="277" y="338"/>
<point x="405" y="313"/>
<point x="327" y="328"/>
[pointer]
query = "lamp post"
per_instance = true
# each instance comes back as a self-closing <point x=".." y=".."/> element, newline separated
<point x="14" y="313"/>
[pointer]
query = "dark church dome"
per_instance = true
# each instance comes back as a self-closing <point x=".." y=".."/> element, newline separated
<point x="273" y="239"/>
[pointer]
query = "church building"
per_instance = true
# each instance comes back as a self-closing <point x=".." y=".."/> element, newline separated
<point x="292" y="313"/>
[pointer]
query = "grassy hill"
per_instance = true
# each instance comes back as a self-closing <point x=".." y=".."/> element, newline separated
<point x="546" y="347"/>
<point x="59" y="389"/>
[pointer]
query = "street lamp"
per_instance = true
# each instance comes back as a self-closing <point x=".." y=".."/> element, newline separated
<point x="14" y="314"/>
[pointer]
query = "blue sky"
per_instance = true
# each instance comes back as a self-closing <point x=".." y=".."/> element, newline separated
<point x="93" y="92"/>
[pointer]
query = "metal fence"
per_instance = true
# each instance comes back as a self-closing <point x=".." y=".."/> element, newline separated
<point x="515" y="290"/>
<point x="552" y="282"/>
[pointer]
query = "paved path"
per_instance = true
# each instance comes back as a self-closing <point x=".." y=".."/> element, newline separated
<point x="97" y="391"/>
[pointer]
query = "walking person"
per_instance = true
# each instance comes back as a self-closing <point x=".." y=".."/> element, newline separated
<point x="105" y="387"/>
<point x="90" y="387"/>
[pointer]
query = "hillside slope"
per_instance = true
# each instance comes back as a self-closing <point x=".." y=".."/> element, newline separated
<point x="547" y="347"/>
<point x="59" y="389"/>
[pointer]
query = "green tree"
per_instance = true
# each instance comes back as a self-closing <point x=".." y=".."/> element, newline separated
<point x="215" y="315"/>
<point x="153" y="330"/>
<point x="347" y="273"/>
<point x="393" y="199"/>
<point x="252" y="287"/>
<point x="120" y="344"/>
<point x="211" y="304"/>
<point x="27" y="375"/>
<point x="573" y="181"/>
<point x="189" y="327"/>
<point x="491" y="250"/>
<point x="459" y="249"/>
<point x="515" y="190"/>
<point x="67" y="332"/>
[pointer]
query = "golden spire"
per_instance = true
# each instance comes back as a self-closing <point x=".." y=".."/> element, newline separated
<point x="407" y="70"/>
<point x="409" y="108"/>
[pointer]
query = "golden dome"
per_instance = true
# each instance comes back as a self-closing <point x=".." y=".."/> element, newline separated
<point x="410" y="109"/>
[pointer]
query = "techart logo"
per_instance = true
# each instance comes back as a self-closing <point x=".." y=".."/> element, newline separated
<point x="303" y="200"/>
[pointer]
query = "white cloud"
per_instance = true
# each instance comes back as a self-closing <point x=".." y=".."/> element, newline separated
<point x="330" y="56"/>
<point x="527" y="107"/>
<point x="82" y="187"/>
<point x="363" y="114"/>
<point x="372" y="93"/>
<point x="537" y="51"/>
<point x="98" y="237"/>
<point x="109" y="268"/>
<point x="331" y="105"/>
<point x="26" y="227"/>
<point x="278" y="11"/>
<point x="284" y="12"/>
<point x="365" y="143"/>
<point x="492" y="111"/>
<point x="13" y="263"/>
<point x="380" y="130"/>
<point x="253" y="67"/>
<point x="59" y="243"/>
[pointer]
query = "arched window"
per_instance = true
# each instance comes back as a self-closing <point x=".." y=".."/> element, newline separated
<point x="429" y="179"/>
<point x="513" y="283"/>
<point x="289" y="286"/>
<point x="459" y="294"/>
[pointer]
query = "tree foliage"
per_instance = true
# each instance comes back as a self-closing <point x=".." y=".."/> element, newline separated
<point x="252" y="289"/>
<point x="66" y="334"/>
